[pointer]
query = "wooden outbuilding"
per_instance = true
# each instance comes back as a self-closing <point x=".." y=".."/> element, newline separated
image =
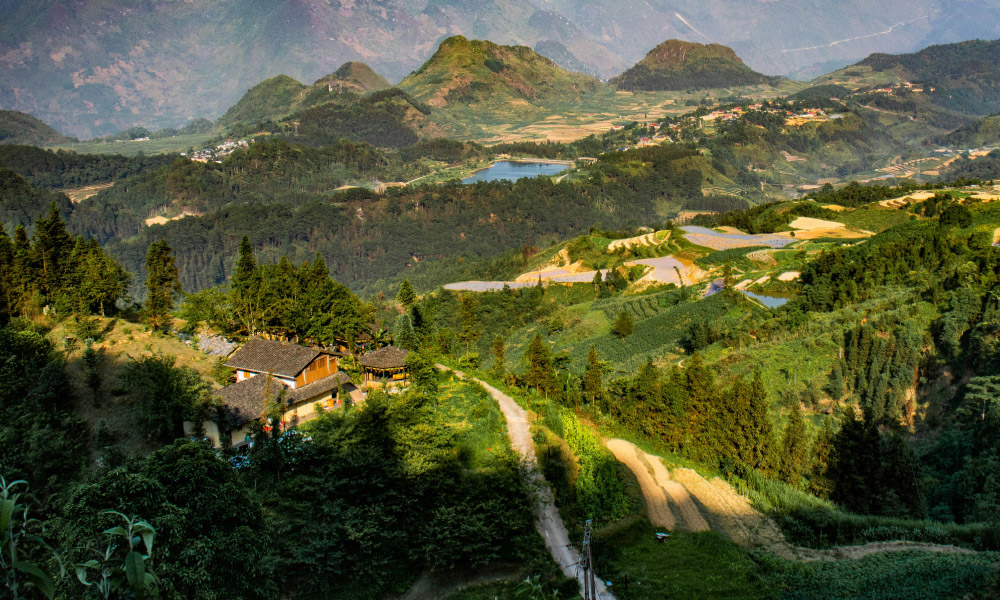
<point x="385" y="367"/>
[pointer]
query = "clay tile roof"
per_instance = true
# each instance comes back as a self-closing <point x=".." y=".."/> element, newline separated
<point x="246" y="399"/>
<point x="388" y="357"/>
<point x="321" y="386"/>
<point x="266" y="356"/>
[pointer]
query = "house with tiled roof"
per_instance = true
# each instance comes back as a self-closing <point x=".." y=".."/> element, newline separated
<point x="271" y="374"/>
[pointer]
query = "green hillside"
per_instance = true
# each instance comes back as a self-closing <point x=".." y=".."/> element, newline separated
<point x="21" y="128"/>
<point x="985" y="132"/>
<point x="269" y="99"/>
<point x="679" y="65"/>
<point x="464" y="72"/>
<point x="963" y="77"/>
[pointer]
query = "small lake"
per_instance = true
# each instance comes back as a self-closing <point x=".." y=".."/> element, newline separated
<point x="768" y="301"/>
<point x="512" y="171"/>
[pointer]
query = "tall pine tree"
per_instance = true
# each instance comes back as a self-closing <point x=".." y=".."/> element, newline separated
<point x="593" y="385"/>
<point x="162" y="285"/>
<point x="794" y="449"/>
<point x="540" y="375"/>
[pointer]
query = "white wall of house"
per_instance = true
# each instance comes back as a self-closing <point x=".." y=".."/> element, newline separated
<point x="242" y="375"/>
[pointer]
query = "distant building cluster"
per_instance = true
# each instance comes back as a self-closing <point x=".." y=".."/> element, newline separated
<point x="222" y="150"/>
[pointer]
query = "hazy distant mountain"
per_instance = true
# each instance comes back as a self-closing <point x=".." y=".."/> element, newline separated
<point x="19" y="128"/>
<point x="92" y="67"/>
<point x="679" y="65"/>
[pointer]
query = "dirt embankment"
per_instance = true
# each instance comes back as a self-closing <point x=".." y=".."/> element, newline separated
<point x="683" y="499"/>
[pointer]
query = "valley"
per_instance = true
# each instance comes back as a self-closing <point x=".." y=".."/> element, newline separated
<point x="508" y="328"/>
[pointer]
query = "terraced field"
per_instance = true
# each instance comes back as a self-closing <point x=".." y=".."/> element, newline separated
<point x="684" y="500"/>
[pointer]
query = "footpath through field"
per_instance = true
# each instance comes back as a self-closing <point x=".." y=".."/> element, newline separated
<point x="547" y="519"/>
<point x="701" y="504"/>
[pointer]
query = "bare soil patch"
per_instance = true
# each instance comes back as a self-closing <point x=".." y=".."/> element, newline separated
<point x="77" y="195"/>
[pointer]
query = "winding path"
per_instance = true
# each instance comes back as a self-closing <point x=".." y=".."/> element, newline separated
<point x="547" y="519"/>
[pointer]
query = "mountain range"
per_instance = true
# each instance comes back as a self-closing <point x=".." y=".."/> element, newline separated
<point x="92" y="67"/>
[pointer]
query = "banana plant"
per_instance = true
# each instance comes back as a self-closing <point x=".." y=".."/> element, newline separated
<point x="110" y="574"/>
<point x="19" y="573"/>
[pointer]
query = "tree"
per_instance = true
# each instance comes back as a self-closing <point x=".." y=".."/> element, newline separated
<point x="162" y="284"/>
<point x="167" y="395"/>
<point x="624" y="325"/>
<point x="499" y="359"/>
<point x="406" y="296"/>
<point x="403" y="333"/>
<point x="957" y="215"/>
<point x="794" y="448"/>
<point x="593" y="386"/>
<point x="423" y="375"/>
<point x="819" y="483"/>
<point x="467" y="319"/>
<point x="540" y="375"/>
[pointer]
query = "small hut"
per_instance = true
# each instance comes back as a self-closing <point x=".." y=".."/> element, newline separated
<point x="385" y="366"/>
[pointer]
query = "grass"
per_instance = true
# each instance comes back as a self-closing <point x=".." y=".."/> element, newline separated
<point x="176" y="144"/>
<point x="874" y="219"/>
<point x="120" y="343"/>
<point x="470" y="413"/>
<point x="689" y="565"/>
<point x="888" y="576"/>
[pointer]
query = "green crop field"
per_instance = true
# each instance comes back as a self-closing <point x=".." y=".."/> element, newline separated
<point x="176" y="144"/>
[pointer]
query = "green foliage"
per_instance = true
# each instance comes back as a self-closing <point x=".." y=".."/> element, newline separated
<point x="881" y="576"/>
<point x="162" y="284"/>
<point x="956" y="215"/>
<point x="687" y="565"/>
<point x="624" y="325"/>
<point x="40" y="439"/>
<point x="600" y="494"/>
<point x="56" y="169"/>
<point x="22" y="128"/>
<point x="166" y="395"/>
<point x="406" y="295"/>
<point x="212" y="540"/>
<point x="124" y="567"/>
<point x="17" y="540"/>
<point x="540" y="374"/>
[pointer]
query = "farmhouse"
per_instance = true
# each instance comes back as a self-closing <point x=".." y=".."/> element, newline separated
<point x="385" y="366"/>
<point x="269" y="374"/>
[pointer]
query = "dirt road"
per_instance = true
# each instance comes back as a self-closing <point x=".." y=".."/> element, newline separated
<point x="714" y="504"/>
<point x="547" y="519"/>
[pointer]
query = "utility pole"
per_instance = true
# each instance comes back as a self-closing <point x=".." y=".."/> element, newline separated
<point x="587" y="564"/>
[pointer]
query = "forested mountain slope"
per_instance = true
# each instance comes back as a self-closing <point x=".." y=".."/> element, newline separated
<point x="20" y="128"/>
<point x="679" y="65"/>
<point x="961" y="76"/>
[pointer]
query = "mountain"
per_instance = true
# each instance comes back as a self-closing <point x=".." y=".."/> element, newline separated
<point x="280" y="96"/>
<point x="20" y="128"/>
<point x="680" y="65"/>
<point x="466" y="71"/>
<point x="963" y="77"/>
<point x="92" y="67"/>
<point x="271" y="98"/>
<point x="358" y="76"/>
